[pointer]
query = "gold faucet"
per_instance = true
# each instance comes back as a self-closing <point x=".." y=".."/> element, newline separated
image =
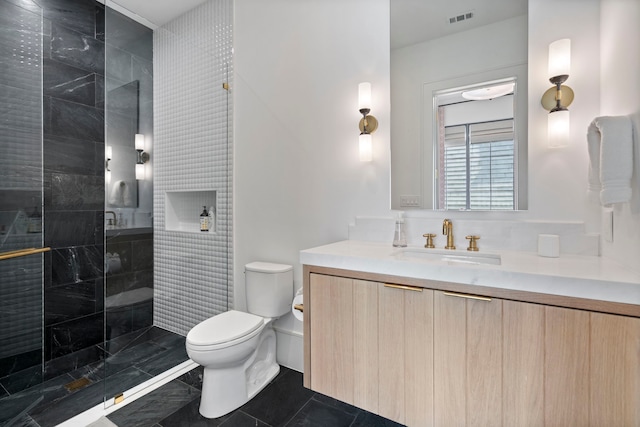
<point x="447" y="230"/>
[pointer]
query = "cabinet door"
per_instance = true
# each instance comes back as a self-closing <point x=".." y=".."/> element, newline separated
<point x="332" y="338"/>
<point x="523" y="364"/>
<point x="467" y="361"/>
<point x="365" y="345"/>
<point x="566" y="389"/>
<point x="615" y="370"/>
<point x="406" y="354"/>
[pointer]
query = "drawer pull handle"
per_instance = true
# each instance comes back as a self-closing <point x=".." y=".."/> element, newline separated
<point x="468" y="296"/>
<point x="299" y="307"/>
<point x="403" y="287"/>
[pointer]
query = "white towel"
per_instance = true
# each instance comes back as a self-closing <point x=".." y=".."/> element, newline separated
<point x="121" y="194"/>
<point x="610" y="142"/>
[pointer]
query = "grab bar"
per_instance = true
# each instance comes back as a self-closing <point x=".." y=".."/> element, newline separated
<point x="22" y="252"/>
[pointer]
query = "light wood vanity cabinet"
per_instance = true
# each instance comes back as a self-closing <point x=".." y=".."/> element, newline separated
<point x="435" y="357"/>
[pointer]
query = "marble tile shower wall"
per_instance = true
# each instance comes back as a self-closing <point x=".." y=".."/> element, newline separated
<point x="75" y="77"/>
<point x="73" y="149"/>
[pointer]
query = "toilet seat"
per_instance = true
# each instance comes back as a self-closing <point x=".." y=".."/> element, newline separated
<point x="224" y="330"/>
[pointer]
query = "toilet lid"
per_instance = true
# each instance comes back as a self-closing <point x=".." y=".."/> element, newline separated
<point x="224" y="327"/>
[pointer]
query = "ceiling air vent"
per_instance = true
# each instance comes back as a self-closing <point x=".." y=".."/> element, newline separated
<point x="461" y="17"/>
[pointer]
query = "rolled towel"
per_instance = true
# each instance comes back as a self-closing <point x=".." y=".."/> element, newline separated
<point x="610" y="145"/>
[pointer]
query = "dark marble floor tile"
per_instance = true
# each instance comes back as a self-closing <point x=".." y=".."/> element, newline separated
<point x="71" y="336"/>
<point x="43" y="395"/>
<point x="88" y="397"/>
<point x="193" y="377"/>
<point x="330" y="401"/>
<point x="155" y="406"/>
<point x="23" y="379"/>
<point x="17" y="411"/>
<point x="164" y="360"/>
<point x="189" y="416"/>
<point x="138" y="354"/>
<point x="280" y="400"/>
<point x="240" y="419"/>
<point x="316" y="414"/>
<point x="129" y="340"/>
<point x="367" y="419"/>
<point x="25" y="421"/>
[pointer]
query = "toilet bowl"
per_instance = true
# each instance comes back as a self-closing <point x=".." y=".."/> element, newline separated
<point x="238" y="349"/>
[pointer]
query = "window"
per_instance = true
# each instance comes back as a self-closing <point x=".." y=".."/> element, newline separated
<point x="476" y="166"/>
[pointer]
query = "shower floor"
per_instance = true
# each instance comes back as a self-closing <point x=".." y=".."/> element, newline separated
<point x="130" y="361"/>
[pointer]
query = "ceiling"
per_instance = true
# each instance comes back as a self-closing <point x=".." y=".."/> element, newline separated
<point x="154" y="13"/>
<point x="412" y="21"/>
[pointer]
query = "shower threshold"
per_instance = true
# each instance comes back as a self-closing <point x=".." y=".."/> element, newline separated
<point x="94" y="414"/>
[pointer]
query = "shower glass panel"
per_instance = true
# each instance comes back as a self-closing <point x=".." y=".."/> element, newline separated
<point x="142" y="336"/>
<point x="21" y="208"/>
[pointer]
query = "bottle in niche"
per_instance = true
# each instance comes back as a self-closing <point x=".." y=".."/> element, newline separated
<point x="34" y="224"/>
<point x="204" y="219"/>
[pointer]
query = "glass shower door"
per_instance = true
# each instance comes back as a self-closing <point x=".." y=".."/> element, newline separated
<point x="21" y="210"/>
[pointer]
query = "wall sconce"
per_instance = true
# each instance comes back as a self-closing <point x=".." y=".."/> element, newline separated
<point x="141" y="157"/>
<point x="558" y="98"/>
<point x="368" y="124"/>
<point x="108" y="156"/>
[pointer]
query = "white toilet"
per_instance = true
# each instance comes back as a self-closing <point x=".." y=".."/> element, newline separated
<point x="237" y="349"/>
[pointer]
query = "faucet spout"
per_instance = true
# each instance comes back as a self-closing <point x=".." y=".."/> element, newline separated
<point x="113" y="222"/>
<point x="447" y="230"/>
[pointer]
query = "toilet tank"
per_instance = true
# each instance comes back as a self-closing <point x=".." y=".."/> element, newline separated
<point x="269" y="288"/>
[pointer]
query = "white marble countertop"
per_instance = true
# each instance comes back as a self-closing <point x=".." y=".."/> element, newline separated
<point x="569" y="275"/>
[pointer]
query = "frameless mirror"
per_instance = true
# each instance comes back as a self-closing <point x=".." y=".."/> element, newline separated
<point x="122" y="126"/>
<point x="439" y="50"/>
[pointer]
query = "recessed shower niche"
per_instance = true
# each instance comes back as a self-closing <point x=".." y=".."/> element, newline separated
<point x="183" y="210"/>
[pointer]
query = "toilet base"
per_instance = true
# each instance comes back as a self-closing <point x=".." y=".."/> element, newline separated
<point x="224" y="390"/>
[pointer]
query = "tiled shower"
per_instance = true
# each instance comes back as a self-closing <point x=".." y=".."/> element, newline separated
<point x="62" y="316"/>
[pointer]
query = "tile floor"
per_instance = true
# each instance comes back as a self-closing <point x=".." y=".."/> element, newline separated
<point x="130" y="361"/>
<point x="284" y="402"/>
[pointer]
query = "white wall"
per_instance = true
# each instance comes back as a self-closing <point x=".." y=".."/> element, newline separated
<point x="298" y="180"/>
<point x="620" y="95"/>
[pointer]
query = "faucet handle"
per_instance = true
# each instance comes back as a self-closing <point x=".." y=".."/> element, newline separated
<point x="429" y="243"/>
<point x="473" y="243"/>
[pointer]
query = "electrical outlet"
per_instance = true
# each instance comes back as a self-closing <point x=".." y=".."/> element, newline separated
<point x="410" y="201"/>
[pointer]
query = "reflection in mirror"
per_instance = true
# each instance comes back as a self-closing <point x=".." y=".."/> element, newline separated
<point x="475" y="147"/>
<point x="432" y="54"/>
<point x="122" y="126"/>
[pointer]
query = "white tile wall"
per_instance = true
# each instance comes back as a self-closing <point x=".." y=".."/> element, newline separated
<point x="193" y="277"/>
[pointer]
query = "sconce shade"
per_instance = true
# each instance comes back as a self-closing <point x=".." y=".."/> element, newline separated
<point x="366" y="147"/>
<point x="364" y="96"/>
<point x="560" y="58"/>
<point x="139" y="141"/>
<point x="109" y="153"/>
<point x="558" y="128"/>
<point x="140" y="172"/>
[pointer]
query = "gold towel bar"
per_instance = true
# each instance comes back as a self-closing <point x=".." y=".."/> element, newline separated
<point x="403" y="287"/>
<point x="22" y="252"/>
<point x="469" y="296"/>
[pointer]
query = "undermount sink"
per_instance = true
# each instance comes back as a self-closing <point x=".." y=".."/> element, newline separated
<point x="448" y="256"/>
